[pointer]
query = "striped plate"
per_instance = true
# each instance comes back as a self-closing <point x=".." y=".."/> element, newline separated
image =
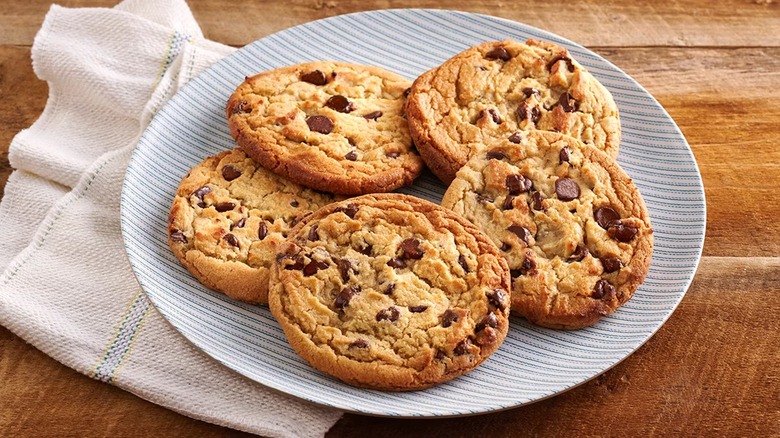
<point x="533" y="363"/>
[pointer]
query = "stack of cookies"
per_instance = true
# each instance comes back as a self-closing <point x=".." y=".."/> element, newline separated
<point x="389" y="291"/>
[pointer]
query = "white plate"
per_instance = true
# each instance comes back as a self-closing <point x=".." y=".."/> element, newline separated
<point x="533" y="363"/>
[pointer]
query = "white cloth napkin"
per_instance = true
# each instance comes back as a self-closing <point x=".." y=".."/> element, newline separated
<point x="67" y="287"/>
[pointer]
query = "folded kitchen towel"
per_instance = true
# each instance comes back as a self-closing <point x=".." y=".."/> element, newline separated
<point x="67" y="286"/>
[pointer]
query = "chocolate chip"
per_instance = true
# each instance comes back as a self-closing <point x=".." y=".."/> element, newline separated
<point x="360" y="343"/>
<point x="321" y="124"/>
<point x="622" y="233"/>
<point x="565" y="58"/>
<point x="448" y="317"/>
<point x="580" y="252"/>
<point x="297" y="265"/>
<point x="230" y="173"/>
<point x="536" y="201"/>
<point x="262" y="231"/>
<point x="294" y="204"/>
<point x="567" y="189"/>
<point x="315" y="77"/>
<point x="439" y="355"/>
<point x="498" y="53"/>
<point x="567" y="103"/>
<point x="178" y="236"/>
<point x="350" y="210"/>
<point x="231" y="240"/>
<point x="241" y="107"/>
<point x="390" y="314"/>
<point x="528" y="264"/>
<point x="396" y="263"/>
<point x="564" y="154"/>
<point x="390" y="289"/>
<point x="345" y="266"/>
<point x="312" y="267"/>
<point x="200" y="193"/>
<point x="345" y="296"/>
<point x="418" y="309"/>
<point x="509" y="202"/>
<point x="606" y="217"/>
<point x="224" y="206"/>
<point x="373" y="115"/>
<point x="351" y="156"/>
<point x="462" y="347"/>
<point x="517" y="184"/>
<point x="514" y="273"/>
<point x="410" y="249"/>
<point x="497" y="297"/>
<point x="463" y="264"/>
<point x="493" y="114"/>
<point x="603" y="288"/>
<point x="516" y="137"/>
<point x="488" y="321"/>
<point x="340" y="104"/>
<point x="407" y="91"/>
<point x="238" y="224"/>
<point x="366" y="250"/>
<point x="530" y="91"/>
<point x="522" y="232"/>
<point x="313" y="235"/>
<point x="505" y="246"/>
<point x="483" y="199"/>
<point x="528" y="112"/>
<point x="495" y="155"/>
<point x="393" y="154"/>
<point x="611" y="264"/>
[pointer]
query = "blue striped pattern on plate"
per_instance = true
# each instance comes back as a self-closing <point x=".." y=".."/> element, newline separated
<point x="533" y="363"/>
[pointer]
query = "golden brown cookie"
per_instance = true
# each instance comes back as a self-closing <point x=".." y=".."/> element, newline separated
<point x="228" y="219"/>
<point x="390" y="292"/>
<point x="569" y="221"/>
<point x="331" y="126"/>
<point x="492" y="90"/>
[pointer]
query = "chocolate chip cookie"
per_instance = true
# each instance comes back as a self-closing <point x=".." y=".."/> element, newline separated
<point x="497" y="88"/>
<point x="390" y="292"/>
<point x="331" y="126"/>
<point x="569" y="221"/>
<point x="228" y="219"/>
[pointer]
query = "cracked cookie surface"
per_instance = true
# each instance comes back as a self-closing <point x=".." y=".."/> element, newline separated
<point x="332" y="126"/>
<point x="497" y="88"/>
<point x="571" y="224"/>
<point x="390" y="292"/>
<point x="228" y="219"/>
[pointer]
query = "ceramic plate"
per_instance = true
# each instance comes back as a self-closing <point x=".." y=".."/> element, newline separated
<point x="533" y="363"/>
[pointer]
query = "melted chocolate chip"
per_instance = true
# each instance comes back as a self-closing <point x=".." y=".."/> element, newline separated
<point x="622" y="233"/>
<point x="514" y="273"/>
<point x="463" y="264"/>
<point x="360" y="343"/>
<point x="241" y="107"/>
<point x="505" y="246"/>
<point x="580" y="252"/>
<point x="321" y="124"/>
<point x="565" y="58"/>
<point x="390" y="314"/>
<point x="312" y="267"/>
<point x="488" y="321"/>
<point x="238" y="224"/>
<point x="315" y="77"/>
<point x="509" y="202"/>
<point x="396" y="263"/>
<point x="410" y="249"/>
<point x="528" y="264"/>
<point x="498" y="53"/>
<point x="564" y="155"/>
<point x="231" y="240"/>
<point x="492" y="114"/>
<point x="178" y="236"/>
<point x="200" y="193"/>
<point x="366" y="250"/>
<point x="530" y="91"/>
<point x="536" y="201"/>
<point x="418" y="309"/>
<point x="516" y="137"/>
<point x="462" y="347"/>
<point x="497" y="297"/>
<point x="313" y="235"/>
<point x="393" y="154"/>
<point x="602" y="289"/>
<point x="262" y="231"/>
<point x="350" y="210"/>
<point x="294" y="204"/>
<point x="351" y="156"/>
<point x="448" y="317"/>
<point x="230" y="173"/>
<point x="567" y="103"/>
<point x="528" y="112"/>
<point x="297" y="265"/>
<point x="567" y="189"/>
<point x="439" y="356"/>
<point x="345" y="267"/>
<point x="483" y="199"/>
<point x="340" y="104"/>
<point x="224" y="206"/>
<point x="495" y="155"/>
<point x="611" y="264"/>
<point x="373" y="115"/>
<point x="390" y="289"/>
<point x="606" y="217"/>
<point x="522" y="232"/>
<point x="517" y="184"/>
<point x="345" y="296"/>
<point x="407" y="91"/>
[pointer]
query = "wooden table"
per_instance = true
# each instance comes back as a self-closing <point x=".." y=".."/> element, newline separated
<point x="712" y="369"/>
